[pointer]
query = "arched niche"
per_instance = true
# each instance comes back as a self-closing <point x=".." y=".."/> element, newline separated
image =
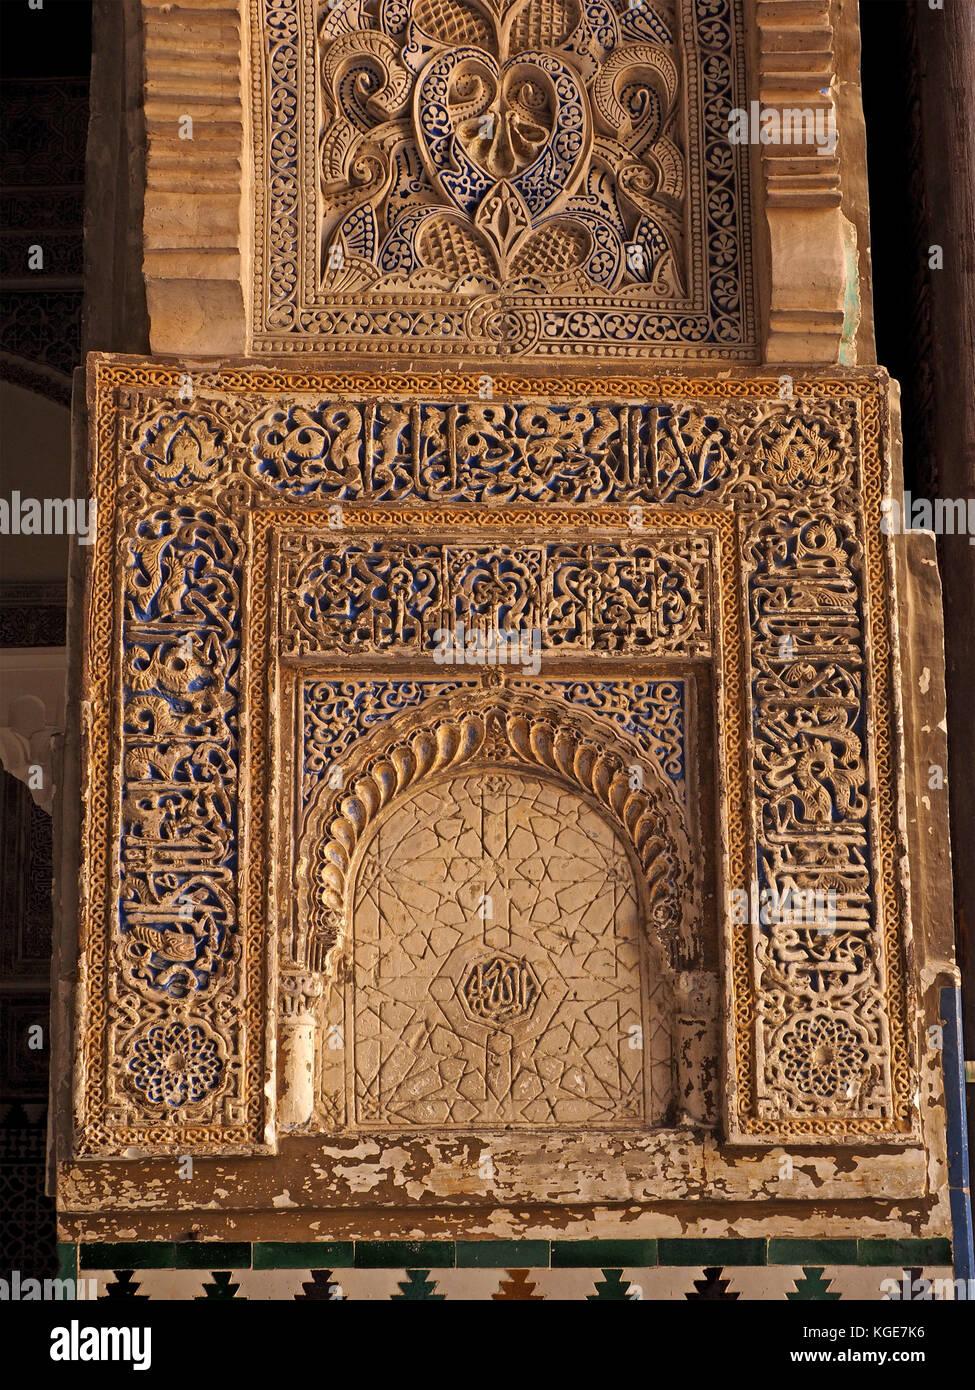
<point x="497" y="970"/>
<point x="509" y="755"/>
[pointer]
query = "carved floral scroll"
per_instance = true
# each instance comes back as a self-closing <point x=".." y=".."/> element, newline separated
<point x="521" y="178"/>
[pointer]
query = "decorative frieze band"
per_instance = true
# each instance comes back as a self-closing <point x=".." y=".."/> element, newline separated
<point x="638" y="598"/>
<point x="674" y="450"/>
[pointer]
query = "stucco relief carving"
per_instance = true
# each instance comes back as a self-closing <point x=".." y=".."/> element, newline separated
<point x="341" y="719"/>
<point x="476" y="749"/>
<point x="625" y="599"/>
<point x="188" y="618"/>
<point x="336" y="714"/>
<point x="509" y="176"/>
<point x="674" y="451"/>
<point x="498" y="975"/>
<point x="518" y="729"/>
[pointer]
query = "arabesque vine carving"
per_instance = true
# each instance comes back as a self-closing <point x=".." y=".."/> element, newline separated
<point x="519" y="177"/>
<point x="177" y="898"/>
<point x="644" y="598"/>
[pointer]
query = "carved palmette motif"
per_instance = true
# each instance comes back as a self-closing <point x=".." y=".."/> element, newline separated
<point x="723" y="529"/>
<point x="526" y="176"/>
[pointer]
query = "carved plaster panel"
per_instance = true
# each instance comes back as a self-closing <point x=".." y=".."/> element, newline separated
<point x="507" y="879"/>
<point x="507" y="178"/>
<point x="638" y="598"/>
<point x="498" y="972"/>
<point x="233" y="527"/>
<point x="306" y="144"/>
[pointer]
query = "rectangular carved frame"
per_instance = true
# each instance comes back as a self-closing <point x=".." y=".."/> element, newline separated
<point x="797" y="481"/>
<point x="306" y="656"/>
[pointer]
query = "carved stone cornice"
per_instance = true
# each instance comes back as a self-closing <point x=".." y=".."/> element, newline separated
<point x="197" y="185"/>
<point x="813" y="283"/>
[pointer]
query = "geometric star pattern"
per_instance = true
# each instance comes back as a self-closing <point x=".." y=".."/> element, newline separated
<point x="500" y="970"/>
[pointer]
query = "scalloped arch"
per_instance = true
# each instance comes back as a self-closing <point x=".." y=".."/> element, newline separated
<point x="513" y="731"/>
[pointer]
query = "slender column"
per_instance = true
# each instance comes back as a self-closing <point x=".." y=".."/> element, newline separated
<point x="300" y="991"/>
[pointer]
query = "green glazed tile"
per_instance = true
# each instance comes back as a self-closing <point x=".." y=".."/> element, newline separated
<point x="790" y="1250"/>
<point x="128" y="1254"/>
<point x="904" y="1252"/>
<point x="67" y="1261"/>
<point x="711" y="1250"/>
<point x="594" y="1254"/>
<point x="502" y="1254"/>
<point x="404" y="1254"/>
<point x="211" y="1254"/>
<point x="311" y="1254"/>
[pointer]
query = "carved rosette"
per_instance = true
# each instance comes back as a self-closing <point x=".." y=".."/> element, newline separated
<point x="176" y="1066"/>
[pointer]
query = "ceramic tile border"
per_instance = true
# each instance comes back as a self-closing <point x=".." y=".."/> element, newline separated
<point x="606" y="1283"/>
<point x="666" y="1252"/>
